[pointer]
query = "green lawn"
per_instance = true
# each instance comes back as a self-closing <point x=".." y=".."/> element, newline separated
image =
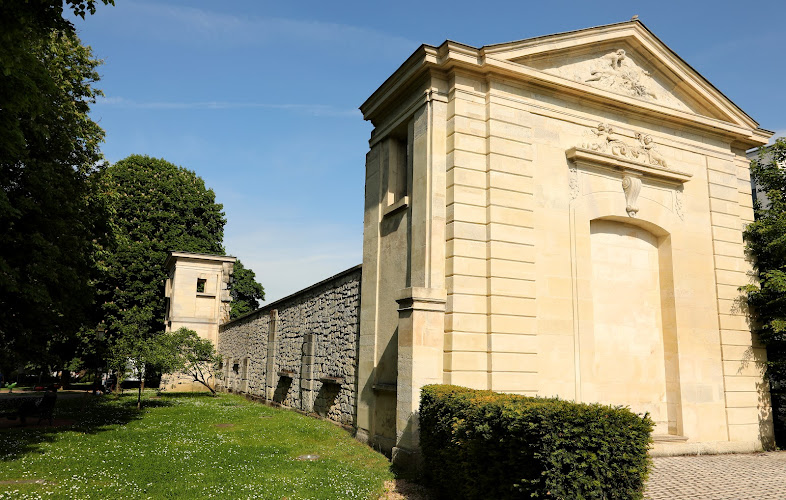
<point x="184" y="446"/>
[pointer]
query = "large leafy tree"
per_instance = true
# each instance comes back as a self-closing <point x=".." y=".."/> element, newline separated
<point x="245" y="291"/>
<point x="44" y="14"/>
<point x="766" y="239"/>
<point x="48" y="149"/>
<point x="155" y="207"/>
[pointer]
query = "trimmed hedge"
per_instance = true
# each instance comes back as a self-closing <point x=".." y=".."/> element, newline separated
<point x="482" y="444"/>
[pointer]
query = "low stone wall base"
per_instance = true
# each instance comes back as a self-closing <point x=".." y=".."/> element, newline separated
<point x="705" y="448"/>
<point x="179" y="382"/>
<point x="407" y="462"/>
<point x="362" y="436"/>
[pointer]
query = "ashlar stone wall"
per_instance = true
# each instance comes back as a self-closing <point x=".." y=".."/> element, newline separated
<point x="571" y="225"/>
<point x="300" y="351"/>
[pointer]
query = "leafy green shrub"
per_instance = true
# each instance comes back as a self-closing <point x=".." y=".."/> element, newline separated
<point x="482" y="444"/>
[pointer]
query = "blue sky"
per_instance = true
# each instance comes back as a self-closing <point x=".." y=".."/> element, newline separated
<point x="260" y="98"/>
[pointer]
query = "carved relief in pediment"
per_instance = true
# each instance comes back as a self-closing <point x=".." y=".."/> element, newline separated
<point x="616" y="72"/>
<point x="613" y="69"/>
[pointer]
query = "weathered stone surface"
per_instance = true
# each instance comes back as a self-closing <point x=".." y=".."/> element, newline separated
<point x="578" y="200"/>
<point x="313" y="343"/>
<point x="559" y="216"/>
<point x="198" y="299"/>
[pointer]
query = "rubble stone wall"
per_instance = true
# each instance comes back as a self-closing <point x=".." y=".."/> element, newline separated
<point x="300" y="351"/>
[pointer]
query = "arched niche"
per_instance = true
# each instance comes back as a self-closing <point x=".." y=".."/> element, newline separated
<point x="625" y="330"/>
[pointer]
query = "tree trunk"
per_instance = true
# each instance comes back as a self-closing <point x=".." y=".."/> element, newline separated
<point x="120" y="376"/>
<point x="199" y="376"/>
<point x="212" y="390"/>
<point x="139" y="396"/>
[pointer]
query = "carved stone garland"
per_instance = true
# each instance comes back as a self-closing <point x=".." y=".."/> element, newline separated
<point x="602" y="149"/>
<point x="574" y="182"/>
<point x="606" y="142"/>
<point x="679" y="203"/>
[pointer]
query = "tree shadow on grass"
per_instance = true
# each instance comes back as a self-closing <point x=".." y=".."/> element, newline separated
<point x="84" y="414"/>
<point x="182" y="395"/>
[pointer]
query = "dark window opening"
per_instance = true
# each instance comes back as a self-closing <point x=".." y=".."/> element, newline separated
<point x="201" y="285"/>
<point x="398" y="166"/>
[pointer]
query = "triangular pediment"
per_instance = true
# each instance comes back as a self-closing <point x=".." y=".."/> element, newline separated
<point x="625" y="59"/>
<point x="618" y="68"/>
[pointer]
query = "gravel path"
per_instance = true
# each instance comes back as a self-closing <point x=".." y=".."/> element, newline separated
<point x="755" y="476"/>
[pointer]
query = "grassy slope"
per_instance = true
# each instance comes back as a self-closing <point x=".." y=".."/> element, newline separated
<point x="174" y="449"/>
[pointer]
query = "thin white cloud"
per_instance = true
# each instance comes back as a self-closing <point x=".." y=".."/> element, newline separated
<point x="309" y="109"/>
<point x="193" y="25"/>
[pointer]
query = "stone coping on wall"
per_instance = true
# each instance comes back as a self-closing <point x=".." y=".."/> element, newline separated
<point x="175" y="254"/>
<point x="283" y="300"/>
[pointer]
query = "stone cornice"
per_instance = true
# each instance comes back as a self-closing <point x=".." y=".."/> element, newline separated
<point x="587" y="157"/>
<point x="639" y="36"/>
<point x="197" y="257"/>
<point x="735" y="132"/>
<point x="422" y="299"/>
<point x="412" y="68"/>
<point x="395" y="118"/>
<point x="738" y="128"/>
<point x="273" y="306"/>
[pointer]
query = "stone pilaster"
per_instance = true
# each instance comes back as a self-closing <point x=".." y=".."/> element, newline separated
<point x="510" y="242"/>
<point x="748" y="409"/>
<point x="421" y="330"/>
<point x="466" y="326"/>
<point x="421" y="305"/>
<point x="367" y="345"/>
<point x="271" y="376"/>
<point x="308" y="372"/>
